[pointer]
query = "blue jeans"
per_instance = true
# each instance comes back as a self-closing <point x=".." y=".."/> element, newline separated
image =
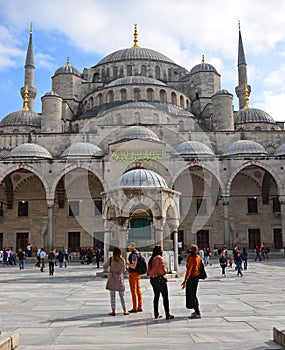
<point x="21" y="264"/>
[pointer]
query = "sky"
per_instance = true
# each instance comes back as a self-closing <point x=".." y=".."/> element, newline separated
<point x="183" y="30"/>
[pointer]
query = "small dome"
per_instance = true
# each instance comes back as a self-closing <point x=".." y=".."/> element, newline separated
<point x="83" y="149"/>
<point x="138" y="178"/>
<point x="30" y="150"/>
<point x="135" y="80"/>
<point x="280" y="151"/>
<point x="222" y="92"/>
<point x="21" y="118"/>
<point x="132" y="53"/>
<point x="194" y="148"/>
<point x="137" y="132"/>
<point x="67" y="69"/>
<point x="245" y="147"/>
<point x="252" y="115"/>
<point x="203" y="67"/>
<point x="51" y="93"/>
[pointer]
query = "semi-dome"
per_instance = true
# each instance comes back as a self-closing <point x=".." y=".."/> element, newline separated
<point x="203" y="67"/>
<point x="30" y="150"/>
<point x="21" y="118"/>
<point x="280" y="151"/>
<point x="83" y="149"/>
<point x="137" y="132"/>
<point x="245" y="147"/>
<point x="137" y="178"/>
<point x="194" y="148"/>
<point x="135" y="80"/>
<point x="67" y="69"/>
<point x="135" y="53"/>
<point x="222" y="92"/>
<point x="253" y="115"/>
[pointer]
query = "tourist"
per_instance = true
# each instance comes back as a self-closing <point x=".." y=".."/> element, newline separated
<point x="223" y="263"/>
<point x="134" y="278"/>
<point x="257" y="253"/>
<point x="29" y="250"/>
<point x="238" y="262"/>
<point x="191" y="281"/>
<point x="42" y="259"/>
<point x="97" y="257"/>
<point x="60" y="258"/>
<point x="244" y="256"/>
<point x="21" y="257"/>
<point x="115" y="282"/>
<point x="51" y="261"/>
<point x="156" y="270"/>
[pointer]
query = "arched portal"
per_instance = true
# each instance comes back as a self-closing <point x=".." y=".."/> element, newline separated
<point x="24" y="210"/>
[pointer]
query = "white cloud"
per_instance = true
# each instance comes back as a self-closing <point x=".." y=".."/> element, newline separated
<point x="273" y="104"/>
<point x="275" y="77"/>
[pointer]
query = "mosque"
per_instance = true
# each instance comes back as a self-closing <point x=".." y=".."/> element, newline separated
<point x="137" y="148"/>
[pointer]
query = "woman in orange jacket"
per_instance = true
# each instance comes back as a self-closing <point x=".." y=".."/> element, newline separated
<point x="191" y="281"/>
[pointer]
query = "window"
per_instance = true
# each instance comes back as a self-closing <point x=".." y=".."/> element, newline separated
<point x="110" y="96"/>
<point x="163" y="96"/>
<point x="99" y="99"/>
<point x="143" y="70"/>
<point x="150" y="94"/>
<point x="129" y="70"/>
<point x="276" y="205"/>
<point x="137" y="94"/>
<point x="73" y="241"/>
<point x="157" y="72"/>
<point x="73" y="208"/>
<point x="170" y="74"/>
<point x="115" y="72"/>
<point x="201" y="206"/>
<point x="1" y="240"/>
<point x="123" y="95"/>
<point x="174" y="98"/>
<point x="98" y="207"/>
<point x="23" y="208"/>
<point x="1" y="209"/>
<point x="252" y="207"/>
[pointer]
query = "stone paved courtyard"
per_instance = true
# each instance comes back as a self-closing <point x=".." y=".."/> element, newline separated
<point x="70" y="310"/>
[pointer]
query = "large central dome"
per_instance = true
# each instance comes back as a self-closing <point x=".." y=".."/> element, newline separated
<point x="135" y="53"/>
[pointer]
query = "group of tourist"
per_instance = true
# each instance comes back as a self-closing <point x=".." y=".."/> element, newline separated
<point x="9" y="257"/>
<point x="156" y="270"/>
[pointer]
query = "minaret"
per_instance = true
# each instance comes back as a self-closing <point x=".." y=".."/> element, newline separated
<point x="242" y="72"/>
<point x="29" y="73"/>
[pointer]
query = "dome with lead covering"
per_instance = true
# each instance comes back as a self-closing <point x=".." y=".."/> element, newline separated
<point x="30" y="150"/>
<point x="135" y="80"/>
<point x="137" y="132"/>
<point x="194" y="148"/>
<point x="280" y="151"/>
<point x="245" y="147"/>
<point x="253" y="115"/>
<point x="135" y="53"/>
<point x="203" y="67"/>
<point x="21" y="118"/>
<point x="83" y="149"/>
<point x="138" y="178"/>
<point x="67" y="69"/>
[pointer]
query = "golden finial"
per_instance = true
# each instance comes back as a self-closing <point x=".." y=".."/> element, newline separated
<point x="26" y="98"/>
<point x="136" y="37"/>
<point x="246" y="96"/>
<point x="67" y="62"/>
<point x="31" y="28"/>
<point x="203" y="59"/>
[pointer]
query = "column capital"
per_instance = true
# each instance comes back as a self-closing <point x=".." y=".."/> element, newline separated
<point x="226" y="200"/>
<point x="50" y="203"/>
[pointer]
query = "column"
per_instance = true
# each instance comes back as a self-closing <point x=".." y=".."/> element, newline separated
<point x="282" y="208"/>
<point x="107" y="240"/>
<point x="227" y="238"/>
<point x="50" y="235"/>
<point x="159" y="236"/>
<point x="175" y="243"/>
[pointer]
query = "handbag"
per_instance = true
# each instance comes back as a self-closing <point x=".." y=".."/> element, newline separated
<point x="203" y="274"/>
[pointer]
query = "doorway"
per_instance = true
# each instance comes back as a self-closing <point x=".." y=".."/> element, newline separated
<point x="73" y="241"/>
<point x="203" y="239"/>
<point x="22" y="240"/>
<point x="253" y="238"/>
<point x="277" y="238"/>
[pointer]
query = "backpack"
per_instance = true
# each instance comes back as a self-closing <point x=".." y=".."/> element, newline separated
<point x="141" y="267"/>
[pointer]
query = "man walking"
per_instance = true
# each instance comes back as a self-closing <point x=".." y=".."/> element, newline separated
<point x="134" y="278"/>
<point x="42" y="259"/>
<point x="21" y="257"/>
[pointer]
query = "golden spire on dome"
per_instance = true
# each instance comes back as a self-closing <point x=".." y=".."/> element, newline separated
<point x="26" y="98"/>
<point x="246" y="96"/>
<point x="203" y="59"/>
<point x="67" y="62"/>
<point x="136" y="37"/>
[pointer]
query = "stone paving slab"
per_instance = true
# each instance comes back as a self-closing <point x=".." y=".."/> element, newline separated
<point x="70" y="310"/>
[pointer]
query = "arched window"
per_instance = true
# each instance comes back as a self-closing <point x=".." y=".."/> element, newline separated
<point x="155" y="119"/>
<point x="182" y="101"/>
<point x="157" y="72"/>
<point x="103" y="74"/>
<point x="96" y="77"/>
<point x="137" y="94"/>
<point x="170" y="74"/>
<point x="143" y="70"/>
<point x="150" y="94"/>
<point x="129" y="70"/>
<point x="123" y="95"/>
<point x="163" y="96"/>
<point x="108" y="73"/>
<point x="99" y="99"/>
<point x="91" y="102"/>
<point x="174" y="98"/>
<point x="187" y="104"/>
<point x="110" y="96"/>
<point x="115" y="72"/>
<point x="181" y="125"/>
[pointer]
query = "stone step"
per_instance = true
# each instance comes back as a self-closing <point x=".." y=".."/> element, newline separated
<point x="279" y="336"/>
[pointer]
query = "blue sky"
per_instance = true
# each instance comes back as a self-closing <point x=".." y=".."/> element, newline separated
<point x="183" y="30"/>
